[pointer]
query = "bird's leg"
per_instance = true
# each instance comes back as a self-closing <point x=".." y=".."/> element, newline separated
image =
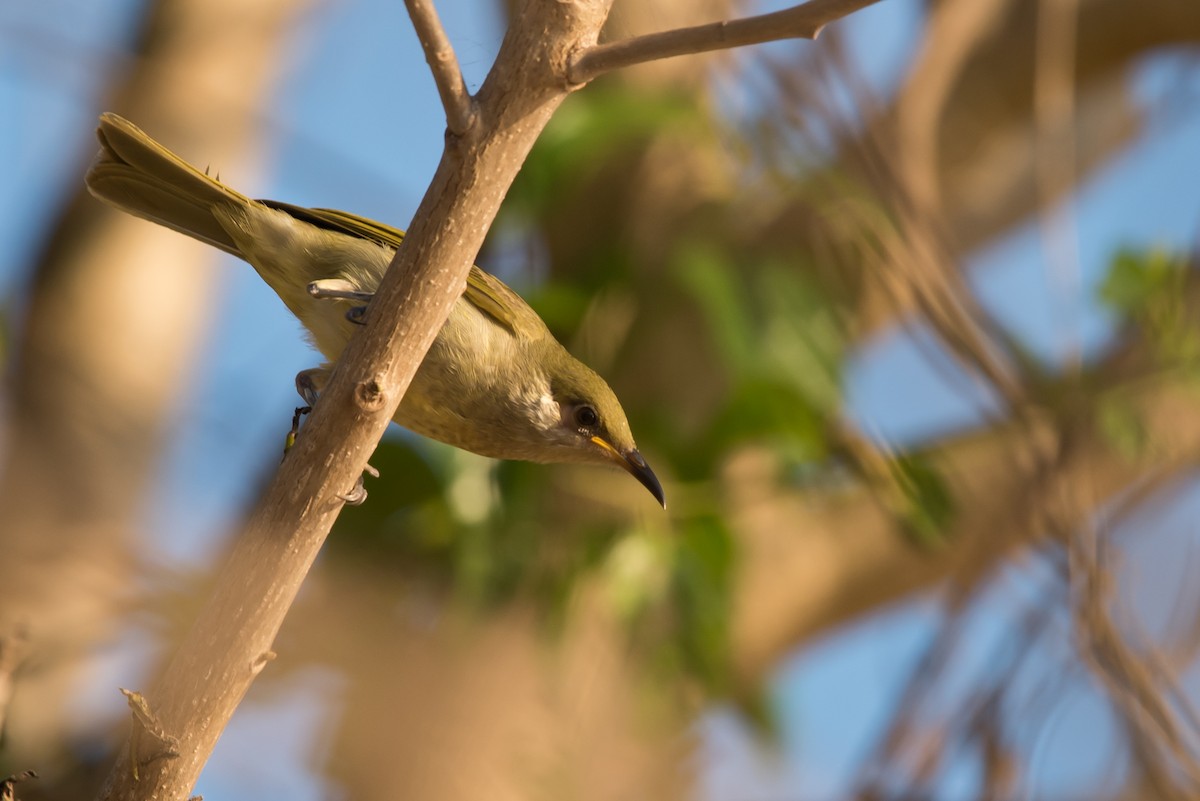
<point x="337" y="289"/>
<point x="295" y="429"/>
<point x="341" y="289"/>
<point x="308" y="385"/>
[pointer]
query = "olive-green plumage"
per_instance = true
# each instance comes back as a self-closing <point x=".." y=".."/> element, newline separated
<point x="495" y="381"/>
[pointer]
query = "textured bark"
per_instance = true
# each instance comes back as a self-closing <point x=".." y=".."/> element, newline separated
<point x="231" y="639"/>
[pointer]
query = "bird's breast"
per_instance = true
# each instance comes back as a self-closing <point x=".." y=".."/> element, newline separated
<point x="475" y="388"/>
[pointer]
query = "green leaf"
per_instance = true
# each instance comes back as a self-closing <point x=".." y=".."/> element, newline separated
<point x="1138" y="279"/>
<point x="928" y="505"/>
<point x="703" y="592"/>
<point x="802" y="337"/>
<point x="586" y="132"/>
<point x="773" y="412"/>
<point x="707" y="276"/>
<point x="1122" y="425"/>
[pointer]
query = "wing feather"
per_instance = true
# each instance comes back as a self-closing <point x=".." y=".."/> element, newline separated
<point x="486" y="292"/>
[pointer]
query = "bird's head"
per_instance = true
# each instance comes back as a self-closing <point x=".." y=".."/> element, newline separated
<point x="581" y="420"/>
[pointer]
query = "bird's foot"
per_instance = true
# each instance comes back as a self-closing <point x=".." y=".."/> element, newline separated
<point x="308" y="386"/>
<point x="309" y="383"/>
<point x="358" y="493"/>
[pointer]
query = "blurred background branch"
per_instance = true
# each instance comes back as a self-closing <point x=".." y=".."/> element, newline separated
<point x="110" y="328"/>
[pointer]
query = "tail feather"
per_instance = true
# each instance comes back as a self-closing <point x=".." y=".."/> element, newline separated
<point x="138" y="175"/>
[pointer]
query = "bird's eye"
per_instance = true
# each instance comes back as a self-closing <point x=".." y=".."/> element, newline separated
<point x="586" y="417"/>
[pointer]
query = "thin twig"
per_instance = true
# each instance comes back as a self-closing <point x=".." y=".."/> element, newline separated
<point x="7" y="784"/>
<point x="439" y="53"/>
<point x="799" y="22"/>
<point x="1135" y="691"/>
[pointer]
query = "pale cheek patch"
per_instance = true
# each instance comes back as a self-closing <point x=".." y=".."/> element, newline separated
<point x="549" y="414"/>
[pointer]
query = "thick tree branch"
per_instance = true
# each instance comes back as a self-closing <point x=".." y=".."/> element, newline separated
<point x="439" y="53"/>
<point x="954" y="31"/>
<point x="800" y="22"/>
<point x="231" y="639"/>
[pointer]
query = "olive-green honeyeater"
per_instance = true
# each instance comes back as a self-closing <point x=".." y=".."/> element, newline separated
<point x="495" y="381"/>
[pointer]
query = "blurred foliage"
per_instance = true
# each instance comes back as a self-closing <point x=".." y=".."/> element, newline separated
<point x="591" y="132"/>
<point x="780" y="346"/>
<point x="926" y="505"/>
<point x="1138" y="280"/>
<point x="1150" y="288"/>
<point x="1122" y="425"/>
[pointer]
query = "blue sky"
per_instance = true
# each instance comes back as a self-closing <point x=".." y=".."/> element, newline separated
<point x="832" y="696"/>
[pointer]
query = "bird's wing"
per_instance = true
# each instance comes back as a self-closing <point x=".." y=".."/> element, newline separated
<point x="486" y="292"/>
<point x="493" y="297"/>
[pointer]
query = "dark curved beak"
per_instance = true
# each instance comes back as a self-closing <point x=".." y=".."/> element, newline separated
<point x="636" y="466"/>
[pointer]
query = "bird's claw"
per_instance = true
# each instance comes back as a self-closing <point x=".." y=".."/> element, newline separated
<point x="358" y="493"/>
<point x="308" y="384"/>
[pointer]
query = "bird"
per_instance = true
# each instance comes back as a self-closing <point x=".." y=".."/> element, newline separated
<point x="495" y="380"/>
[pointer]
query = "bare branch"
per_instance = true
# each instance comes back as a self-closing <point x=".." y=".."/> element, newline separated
<point x="1123" y="672"/>
<point x="227" y="645"/>
<point x="7" y="793"/>
<point x="799" y="22"/>
<point x="439" y="53"/>
<point x="798" y="587"/>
